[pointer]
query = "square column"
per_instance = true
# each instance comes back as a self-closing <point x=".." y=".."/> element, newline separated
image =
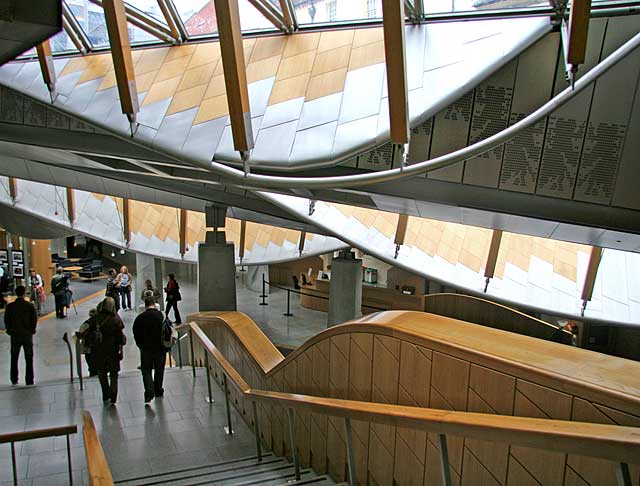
<point x="345" y="289"/>
<point x="216" y="267"/>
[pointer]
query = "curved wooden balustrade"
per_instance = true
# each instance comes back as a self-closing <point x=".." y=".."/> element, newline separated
<point x="500" y="375"/>
<point x="98" y="468"/>
<point x="487" y="313"/>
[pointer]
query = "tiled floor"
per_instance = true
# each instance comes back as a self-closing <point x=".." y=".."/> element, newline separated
<point x="177" y="431"/>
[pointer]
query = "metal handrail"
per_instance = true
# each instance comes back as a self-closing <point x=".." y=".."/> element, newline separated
<point x="13" y="437"/>
<point x="612" y="442"/>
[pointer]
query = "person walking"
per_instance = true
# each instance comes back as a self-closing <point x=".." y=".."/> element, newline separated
<point x="147" y="331"/>
<point x="37" y="290"/>
<point x="20" y="319"/>
<point x="173" y="297"/>
<point x="124" y="285"/>
<point x="106" y="338"/>
<point x="59" y="287"/>
<point x="112" y="288"/>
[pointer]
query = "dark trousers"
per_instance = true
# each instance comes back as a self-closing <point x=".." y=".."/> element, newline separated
<point x="61" y="303"/>
<point x="109" y="384"/>
<point x="125" y="295"/>
<point x="152" y="361"/>
<point x="25" y="342"/>
<point x="174" y="304"/>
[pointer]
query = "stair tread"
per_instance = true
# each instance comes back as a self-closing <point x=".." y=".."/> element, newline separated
<point x="228" y="467"/>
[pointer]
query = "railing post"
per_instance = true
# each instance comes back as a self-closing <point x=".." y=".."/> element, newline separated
<point x="264" y="292"/>
<point x="288" y="313"/>
<point x="65" y="338"/>
<point x="193" y="357"/>
<point x="13" y="464"/>
<point x="292" y="443"/>
<point x="179" y="351"/>
<point x="444" y="461"/>
<point x="229" y="428"/>
<point x="79" y="363"/>
<point x="257" y="431"/>
<point x="350" y="460"/>
<point x="206" y="365"/>
<point x="623" y="476"/>
<point x="69" y="460"/>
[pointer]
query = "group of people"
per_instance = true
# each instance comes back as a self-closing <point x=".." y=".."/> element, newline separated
<point x="102" y="334"/>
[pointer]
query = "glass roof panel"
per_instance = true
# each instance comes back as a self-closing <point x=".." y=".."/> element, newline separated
<point x="322" y="11"/>
<point x="199" y="16"/>
<point x="445" y="6"/>
<point x="61" y="42"/>
<point x="139" y="36"/>
<point x="150" y="7"/>
<point x="91" y="19"/>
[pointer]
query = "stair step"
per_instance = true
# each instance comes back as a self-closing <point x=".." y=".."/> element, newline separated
<point x="268" y="460"/>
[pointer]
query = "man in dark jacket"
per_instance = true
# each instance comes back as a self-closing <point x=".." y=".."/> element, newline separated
<point x="20" y="320"/>
<point x="59" y="287"/>
<point x="147" y="331"/>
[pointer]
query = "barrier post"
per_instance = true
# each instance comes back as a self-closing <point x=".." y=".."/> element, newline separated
<point x="264" y="292"/>
<point x="288" y="313"/>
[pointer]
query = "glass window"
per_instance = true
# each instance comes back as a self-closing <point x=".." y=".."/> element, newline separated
<point x="150" y="7"/>
<point x="320" y="11"/>
<point x="371" y="9"/>
<point x="444" y="6"/>
<point x="199" y="17"/>
<point x="61" y="42"/>
<point x="91" y="19"/>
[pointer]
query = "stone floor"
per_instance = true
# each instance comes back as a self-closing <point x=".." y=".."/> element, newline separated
<point x="177" y="431"/>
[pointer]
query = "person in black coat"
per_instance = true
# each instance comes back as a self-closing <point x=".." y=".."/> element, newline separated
<point x="20" y="319"/>
<point x="173" y="297"/>
<point x="147" y="331"/>
<point x="106" y="338"/>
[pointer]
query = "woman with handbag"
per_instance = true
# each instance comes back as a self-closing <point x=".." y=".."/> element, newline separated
<point x="123" y="283"/>
<point x="173" y="297"/>
<point x="106" y="338"/>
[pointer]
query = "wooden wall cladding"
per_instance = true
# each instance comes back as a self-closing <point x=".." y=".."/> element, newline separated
<point x="480" y="311"/>
<point x="363" y="362"/>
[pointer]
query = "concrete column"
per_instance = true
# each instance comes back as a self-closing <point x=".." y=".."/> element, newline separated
<point x="253" y="277"/>
<point x="161" y="279"/>
<point x="345" y="288"/>
<point x="216" y="266"/>
<point x="145" y="270"/>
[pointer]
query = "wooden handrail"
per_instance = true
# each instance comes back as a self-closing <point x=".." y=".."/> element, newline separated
<point x="227" y="367"/>
<point x="617" y="443"/>
<point x="99" y="472"/>
<point x="38" y="434"/>
<point x="614" y="442"/>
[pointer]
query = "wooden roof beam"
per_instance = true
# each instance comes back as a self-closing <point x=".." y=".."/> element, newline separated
<point x="235" y="77"/>
<point x="126" y="221"/>
<point x="492" y="257"/>
<point x="71" y="206"/>
<point x="401" y="232"/>
<point x="395" y="59"/>
<point x="243" y="237"/>
<point x="45" y="58"/>
<point x="183" y="222"/>
<point x="303" y="238"/>
<point x="574" y="36"/>
<point x="590" y="279"/>
<point x="116" y="19"/>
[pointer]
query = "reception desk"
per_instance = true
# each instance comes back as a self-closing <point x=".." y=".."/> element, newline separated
<point x="315" y="296"/>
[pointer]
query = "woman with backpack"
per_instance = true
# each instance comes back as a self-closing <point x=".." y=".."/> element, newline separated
<point x="150" y="292"/>
<point x="173" y="297"/>
<point x="106" y="338"/>
<point x="124" y="284"/>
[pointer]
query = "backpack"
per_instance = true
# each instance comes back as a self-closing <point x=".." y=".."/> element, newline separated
<point x="168" y="336"/>
<point x="93" y="336"/>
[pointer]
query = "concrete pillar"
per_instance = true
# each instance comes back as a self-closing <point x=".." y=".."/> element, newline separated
<point x="253" y="278"/>
<point x="216" y="266"/>
<point x="345" y="288"/>
<point x="161" y="279"/>
<point x="145" y="270"/>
